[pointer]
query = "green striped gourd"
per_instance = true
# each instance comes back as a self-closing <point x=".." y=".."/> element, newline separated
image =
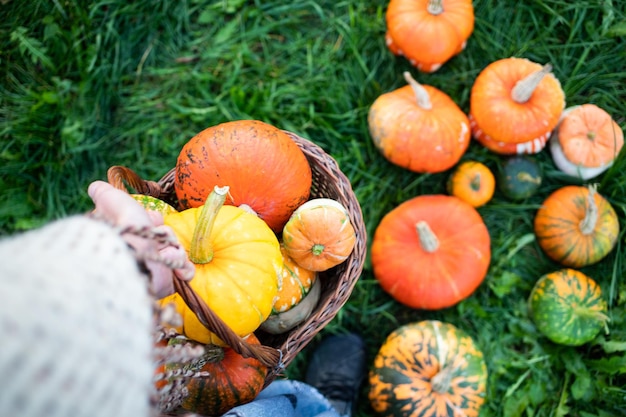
<point x="567" y="307"/>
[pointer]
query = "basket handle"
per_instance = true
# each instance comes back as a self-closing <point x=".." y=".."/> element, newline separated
<point x="268" y="356"/>
<point x="119" y="176"/>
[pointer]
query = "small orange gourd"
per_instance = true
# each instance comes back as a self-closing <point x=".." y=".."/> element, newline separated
<point x="428" y="32"/>
<point x="575" y="226"/>
<point x="586" y="141"/>
<point x="472" y="182"/>
<point x="514" y="106"/>
<point x="319" y="234"/>
<point x="419" y="127"/>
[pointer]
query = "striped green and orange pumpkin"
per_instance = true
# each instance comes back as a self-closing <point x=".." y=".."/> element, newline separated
<point x="428" y="368"/>
<point x="567" y="307"/>
<point x="232" y="380"/>
<point x="576" y="226"/>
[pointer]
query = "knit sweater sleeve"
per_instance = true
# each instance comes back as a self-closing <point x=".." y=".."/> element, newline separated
<point x="76" y="323"/>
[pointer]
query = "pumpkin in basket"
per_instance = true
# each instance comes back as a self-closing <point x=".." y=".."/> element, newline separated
<point x="264" y="168"/>
<point x="514" y="105"/>
<point x="428" y="368"/>
<point x="575" y="226"/>
<point x="238" y="262"/>
<point x="298" y="294"/>
<point x="232" y="380"/>
<point x="428" y="32"/>
<point x="586" y="141"/>
<point x="431" y="252"/>
<point x="419" y="127"/>
<point x="319" y="234"/>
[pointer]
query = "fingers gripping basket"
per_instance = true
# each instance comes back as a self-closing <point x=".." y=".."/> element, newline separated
<point x="277" y="351"/>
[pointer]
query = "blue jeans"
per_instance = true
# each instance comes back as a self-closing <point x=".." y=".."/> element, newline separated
<point x="286" y="398"/>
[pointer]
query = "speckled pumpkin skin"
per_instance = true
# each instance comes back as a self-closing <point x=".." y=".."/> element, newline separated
<point x="567" y="307"/>
<point x="264" y="168"/>
<point x="402" y="378"/>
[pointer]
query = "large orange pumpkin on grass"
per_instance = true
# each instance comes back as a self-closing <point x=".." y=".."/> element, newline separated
<point x="264" y="168"/>
<point x="514" y="106"/>
<point x="428" y="32"/>
<point x="431" y="252"/>
<point x="419" y="127"/>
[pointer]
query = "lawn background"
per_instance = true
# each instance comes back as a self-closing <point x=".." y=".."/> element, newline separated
<point x="90" y="84"/>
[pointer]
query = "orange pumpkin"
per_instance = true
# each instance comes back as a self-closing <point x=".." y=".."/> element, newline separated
<point x="264" y="167"/>
<point x="472" y="182"/>
<point x="232" y="380"/>
<point x="514" y="106"/>
<point x="319" y="234"/>
<point x="419" y="127"/>
<point x="428" y="32"/>
<point x="586" y="141"/>
<point x="576" y="226"/>
<point x="431" y="252"/>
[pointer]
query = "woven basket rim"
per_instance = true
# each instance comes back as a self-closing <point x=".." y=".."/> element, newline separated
<point x="337" y="283"/>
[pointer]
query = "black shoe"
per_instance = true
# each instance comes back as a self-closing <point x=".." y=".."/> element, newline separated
<point x="337" y="368"/>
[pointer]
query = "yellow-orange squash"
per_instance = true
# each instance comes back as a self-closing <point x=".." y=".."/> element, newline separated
<point x="514" y="106"/>
<point x="431" y="252"/>
<point x="319" y="234"/>
<point x="576" y="226"/>
<point x="428" y="32"/>
<point x="428" y="368"/>
<point x="264" y="168"/>
<point x="472" y="182"/>
<point x="295" y="283"/>
<point x="419" y="127"/>
<point x="586" y="141"/>
<point x="238" y="262"/>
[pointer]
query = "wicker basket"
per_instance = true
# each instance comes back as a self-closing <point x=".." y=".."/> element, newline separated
<point x="277" y="351"/>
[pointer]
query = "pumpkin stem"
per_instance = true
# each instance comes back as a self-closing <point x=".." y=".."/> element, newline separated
<point x="435" y="7"/>
<point x="317" y="249"/>
<point x="421" y="95"/>
<point x="442" y="380"/>
<point x="588" y="224"/>
<point x="212" y="354"/>
<point x="586" y="312"/>
<point x="525" y="87"/>
<point x="201" y="250"/>
<point x="428" y="240"/>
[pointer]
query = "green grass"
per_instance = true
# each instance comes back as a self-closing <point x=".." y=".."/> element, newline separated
<point x="86" y="85"/>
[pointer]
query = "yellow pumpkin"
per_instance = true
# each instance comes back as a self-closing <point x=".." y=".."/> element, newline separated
<point x="238" y="264"/>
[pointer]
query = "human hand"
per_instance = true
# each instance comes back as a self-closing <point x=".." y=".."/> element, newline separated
<point x="120" y="209"/>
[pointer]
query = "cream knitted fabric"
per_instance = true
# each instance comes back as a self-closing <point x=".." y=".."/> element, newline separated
<point x="76" y="324"/>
